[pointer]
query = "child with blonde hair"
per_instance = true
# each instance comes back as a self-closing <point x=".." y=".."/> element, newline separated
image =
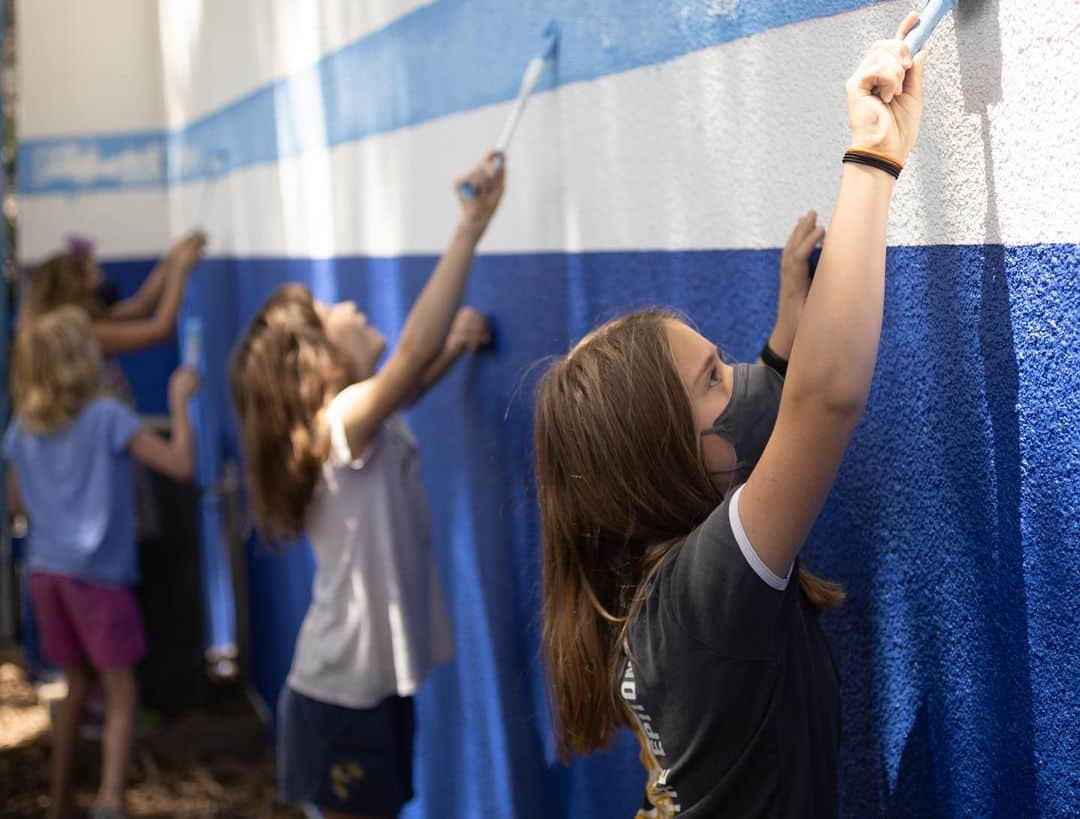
<point x="70" y="450"/>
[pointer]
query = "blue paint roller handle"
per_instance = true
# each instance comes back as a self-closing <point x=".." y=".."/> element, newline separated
<point x="930" y="15"/>
<point x="191" y="332"/>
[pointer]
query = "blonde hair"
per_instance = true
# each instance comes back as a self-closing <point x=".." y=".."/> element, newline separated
<point x="56" y="368"/>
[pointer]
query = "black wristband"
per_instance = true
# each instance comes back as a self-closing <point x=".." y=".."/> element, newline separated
<point x="771" y="359"/>
<point x="872" y="161"/>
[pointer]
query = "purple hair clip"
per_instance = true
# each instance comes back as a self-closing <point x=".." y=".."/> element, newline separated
<point x="80" y="245"/>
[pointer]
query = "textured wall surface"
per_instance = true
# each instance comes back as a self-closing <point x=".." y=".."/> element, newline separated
<point x="666" y="158"/>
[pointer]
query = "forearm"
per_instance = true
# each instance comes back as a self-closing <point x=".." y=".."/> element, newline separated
<point x="429" y="320"/>
<point x="833" y="356"/>
<point x="788" y="314"/>
<point x="142" y="303"/>
<point x="435" y="372"/>
<point x="181" y="441"/>
<point x="168" y="306"/>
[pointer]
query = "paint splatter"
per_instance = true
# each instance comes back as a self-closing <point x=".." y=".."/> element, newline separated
<point x="723" y="8"/>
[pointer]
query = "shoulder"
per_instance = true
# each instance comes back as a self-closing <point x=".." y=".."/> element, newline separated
<point x="720" y="591"/>
<point x="341" y="453"/>
<point x="105" y="404"/>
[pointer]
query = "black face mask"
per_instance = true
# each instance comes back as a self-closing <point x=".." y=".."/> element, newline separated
<point x="748" y="419"/>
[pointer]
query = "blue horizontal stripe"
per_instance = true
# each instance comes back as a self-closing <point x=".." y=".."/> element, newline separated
<point x="453" y="56"/>
<point x="952" y="522"/>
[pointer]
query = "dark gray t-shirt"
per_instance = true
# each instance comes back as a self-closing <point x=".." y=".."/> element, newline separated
<point x="733" y="685"/>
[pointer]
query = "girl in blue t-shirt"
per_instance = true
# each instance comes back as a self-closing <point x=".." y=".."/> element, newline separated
<point x="70" y="450"/>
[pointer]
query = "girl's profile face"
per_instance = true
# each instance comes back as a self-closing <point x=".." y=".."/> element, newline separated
<point x="349" y="330"/>
<point x="708" y="380"/>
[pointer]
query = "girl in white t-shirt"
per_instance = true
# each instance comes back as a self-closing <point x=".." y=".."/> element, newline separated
<point x="328" y="457"/>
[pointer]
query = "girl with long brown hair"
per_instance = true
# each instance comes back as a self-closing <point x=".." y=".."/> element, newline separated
<point x="676" y="491"/>
<point x="328" y="456"/>
<point x="125" y="325"/>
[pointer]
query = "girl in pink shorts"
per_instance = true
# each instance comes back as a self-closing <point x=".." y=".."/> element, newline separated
<point x="70" y="451"/>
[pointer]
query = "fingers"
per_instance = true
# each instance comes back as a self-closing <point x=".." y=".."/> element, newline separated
<point x="884" y="69"/>
<point x="907" y="24"/>
<point x="816" y="237"/>
<point x="185" y="381"/>
<point x="472" y="329"/>
<point x="487" y="177"/>
<point x="804" y="228"/>
<point x="913" y="79"/>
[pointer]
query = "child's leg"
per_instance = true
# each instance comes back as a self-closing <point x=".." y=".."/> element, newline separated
<point x="121" y="702"/>
<point x="65" y="735"/>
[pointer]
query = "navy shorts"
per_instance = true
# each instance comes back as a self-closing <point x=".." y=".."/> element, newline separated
<point x="348" y="760"/>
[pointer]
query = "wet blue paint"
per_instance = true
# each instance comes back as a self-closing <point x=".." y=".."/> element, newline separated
<point x="954" y="523"/>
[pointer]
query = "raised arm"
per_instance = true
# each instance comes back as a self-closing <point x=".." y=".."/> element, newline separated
<point x="835" y="350"/>
<point x="469" y="333"/>
<point x="127" y="335"/>
<point x="794" y="288"/>
<point x="174" y="457"/>
<point x="365" y="405"/>
<point x="144" y="301"/>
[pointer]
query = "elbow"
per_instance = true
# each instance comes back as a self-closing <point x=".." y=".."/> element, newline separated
<point x="182" y="468"/>
<point x="161" y="330"/>
<point x="185" y="469"/>
<point x="841" y="400"/>
<point x="845" y="400"/>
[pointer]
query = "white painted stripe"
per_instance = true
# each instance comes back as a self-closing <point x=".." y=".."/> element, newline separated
<point x="214" y="52"/>
<point x="130" y="224"/>
<point x="718" y="149"/>
<point x="750" y="554"/>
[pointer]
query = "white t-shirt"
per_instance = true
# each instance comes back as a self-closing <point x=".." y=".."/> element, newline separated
<point x="377" y="624"/>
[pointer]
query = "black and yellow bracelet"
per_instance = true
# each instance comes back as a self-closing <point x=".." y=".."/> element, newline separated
<point x="872" y="159"/>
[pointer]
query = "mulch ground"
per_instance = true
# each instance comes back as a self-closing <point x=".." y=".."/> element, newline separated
<point x="213" y="763"/>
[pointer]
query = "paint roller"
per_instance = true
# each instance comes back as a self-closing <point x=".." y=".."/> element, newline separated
<point x="213" y="167"/>
<point x="930" y="14"/>
<point x="533" y="71"/>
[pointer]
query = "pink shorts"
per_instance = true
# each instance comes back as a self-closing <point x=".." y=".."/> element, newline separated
<point x="81" y="621"/>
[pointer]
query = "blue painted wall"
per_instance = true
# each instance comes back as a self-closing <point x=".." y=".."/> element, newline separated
<point x="954" y="519"/>
<point x="952" y="524"/>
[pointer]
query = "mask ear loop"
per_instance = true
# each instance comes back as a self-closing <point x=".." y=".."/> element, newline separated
<point x="739" y="465"/>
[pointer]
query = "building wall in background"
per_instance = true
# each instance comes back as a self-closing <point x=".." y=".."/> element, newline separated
<point x="665" y="160"/>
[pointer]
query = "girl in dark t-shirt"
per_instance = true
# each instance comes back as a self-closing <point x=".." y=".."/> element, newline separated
<point x="676" y="491"/>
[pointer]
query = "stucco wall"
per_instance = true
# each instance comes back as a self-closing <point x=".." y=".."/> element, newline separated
<point x="665" y="160"/>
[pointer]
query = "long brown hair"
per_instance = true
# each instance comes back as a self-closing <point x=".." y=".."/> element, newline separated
<point x="621" y="483"/>
<point x="63" y="278"/>
<point x="55" y="369"/>
<point x="282" y="373"/>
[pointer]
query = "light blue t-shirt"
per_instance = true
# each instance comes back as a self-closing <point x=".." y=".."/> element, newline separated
<point x="78" y="490"/>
